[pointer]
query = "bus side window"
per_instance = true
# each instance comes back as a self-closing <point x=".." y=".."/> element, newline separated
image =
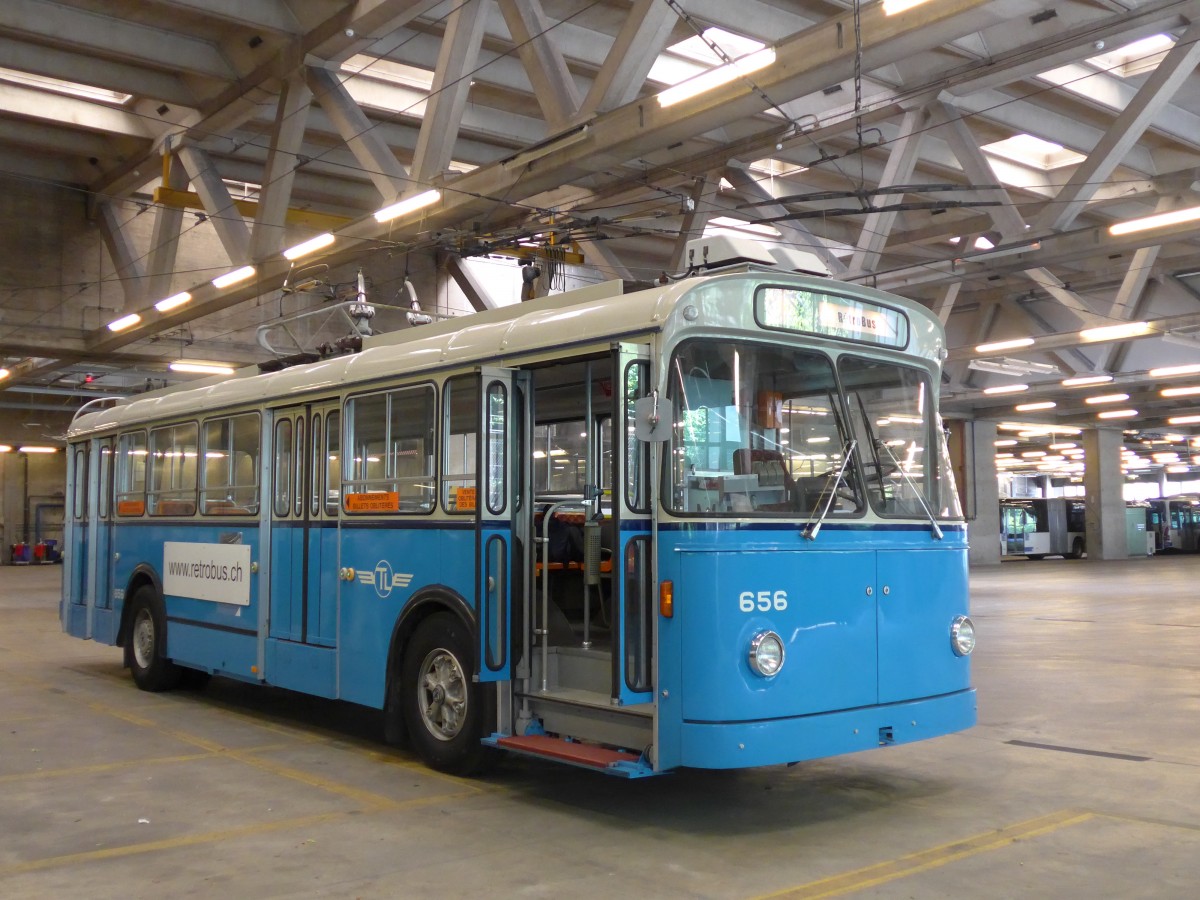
<point x="460" y="415"/>
<point x="229" y="477"/>
<point x="283" y="466"/>
<point x="172" y="471"/>
<point x="131" y="474"/>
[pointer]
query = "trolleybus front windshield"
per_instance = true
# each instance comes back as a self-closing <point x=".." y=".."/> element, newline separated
<point x="760" y="431"/>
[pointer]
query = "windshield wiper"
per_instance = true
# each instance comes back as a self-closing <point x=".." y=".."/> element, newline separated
<point x="936" y="531"/>
<point x="812" y="529"/>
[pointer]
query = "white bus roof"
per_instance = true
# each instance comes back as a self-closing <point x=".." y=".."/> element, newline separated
<point x="588" y="315"/>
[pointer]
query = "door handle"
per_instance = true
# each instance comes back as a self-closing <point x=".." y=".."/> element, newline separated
<point x="346" y="574"/>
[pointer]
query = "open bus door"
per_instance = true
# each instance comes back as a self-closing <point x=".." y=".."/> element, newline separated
<point x="633" y="569"/>
<point x="502" y="516"/>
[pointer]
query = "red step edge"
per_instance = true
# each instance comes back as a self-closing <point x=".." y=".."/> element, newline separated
<point x="567" y="751"/>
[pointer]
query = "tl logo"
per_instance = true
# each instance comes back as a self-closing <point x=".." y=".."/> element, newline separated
<point x="383" y="578"/>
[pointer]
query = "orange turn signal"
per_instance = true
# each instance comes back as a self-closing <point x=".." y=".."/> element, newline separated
<point x="666" y="599"/>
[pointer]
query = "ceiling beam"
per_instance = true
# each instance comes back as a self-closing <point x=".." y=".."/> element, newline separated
<point x="553" y="86"/>
<point x="643" y="36"/>
<point x="1119" y="139"/>
<point x="279" y="173"/>
<point x="226" y="219"/>
<point x="107" y="36"/>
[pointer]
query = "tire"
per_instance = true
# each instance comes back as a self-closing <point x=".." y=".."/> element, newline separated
<point x="445" y="712"/>
<point x="1077" y="550"/>
<point x="146" y="643"/>
<point x="1035" y="556"/>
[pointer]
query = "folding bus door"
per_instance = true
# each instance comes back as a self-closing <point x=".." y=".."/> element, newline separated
<point x="502" y="511"/>
<point x="632" y="559"/>
<point x="303" y="572"/>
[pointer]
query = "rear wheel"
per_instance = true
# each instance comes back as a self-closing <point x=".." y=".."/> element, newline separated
<point x="1077" y="549"/>
<point x="445" y="712"/>
<point x="146" y="643"/>
<point x="1035" y="556"/>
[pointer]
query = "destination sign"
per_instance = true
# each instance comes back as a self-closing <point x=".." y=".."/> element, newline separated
<point x="830" y="315"/>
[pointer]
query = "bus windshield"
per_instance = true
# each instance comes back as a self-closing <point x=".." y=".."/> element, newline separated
<point x="892" y="414"/>
<point x="758" y="430"/>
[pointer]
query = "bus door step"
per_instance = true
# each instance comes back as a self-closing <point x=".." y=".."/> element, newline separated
<point x="588" y="756"/>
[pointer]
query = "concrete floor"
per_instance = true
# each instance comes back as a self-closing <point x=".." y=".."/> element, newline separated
<point x="1081" y="780"/>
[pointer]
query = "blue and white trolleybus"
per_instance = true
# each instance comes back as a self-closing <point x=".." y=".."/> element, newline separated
<point x="711" y="524"/>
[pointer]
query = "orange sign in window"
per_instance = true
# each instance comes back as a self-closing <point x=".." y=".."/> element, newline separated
<point x="464" y="499"/>
<point x="131" y="507"/>
<point x="374" y="502"/>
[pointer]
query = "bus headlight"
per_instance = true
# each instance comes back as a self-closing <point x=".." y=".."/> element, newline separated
<point x="962" y="636"/>
<point x="766" y="654"/>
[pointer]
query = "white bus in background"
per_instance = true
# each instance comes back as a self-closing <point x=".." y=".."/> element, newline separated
<point x="1038" y="527"/>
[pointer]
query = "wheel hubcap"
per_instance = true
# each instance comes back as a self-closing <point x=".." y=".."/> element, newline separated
<point x="442" y="695"/>
<point x="143" y="639"/>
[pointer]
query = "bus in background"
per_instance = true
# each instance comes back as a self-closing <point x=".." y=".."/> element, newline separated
<point x="764" y="558"/>
<point x="1175" y="522"/>
<point x="1038" y="527"/>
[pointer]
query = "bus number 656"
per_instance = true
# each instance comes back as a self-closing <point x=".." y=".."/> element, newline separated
<point x="763" y="601"/>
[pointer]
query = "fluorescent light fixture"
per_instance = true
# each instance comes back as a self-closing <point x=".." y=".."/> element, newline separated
<point x="124" y="322"/>
<point x="409" y="204"/>
<point x="234" y="277"/>
<point x="714" y="78"/>
<point x="1085" y="380"/>
<point x="1033" y="454"/>
<point x="173" y="301"/>
<point x="1160" y="220"/>
<point x="1183" y="420"/>
<point x="1178" y="470"/>
<point x="1006" y="389"/>
<point x="202" y="368"/>
<point x="1168" y="371"/>
<point x="1118" y="414"/>
<point x="1180" y="391"/>
<point x="312" y="245"/>
<point x="5" y="448"/>
<point x="1004" y="345"/>
<point x="892" y="7"/>
<point x="33" y="448"/>
<point x="1006" y="442"/>
<point x="1107" y="398"/>
<point x="4" y="373"/>
<point x="1115" y="332"/>
<point x="1034" y="407"/>
<point x="1064" y="446"/>
<point x="1005" y="455"/>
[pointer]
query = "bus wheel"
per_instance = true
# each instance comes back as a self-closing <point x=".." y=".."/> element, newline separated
<point x="1077" y="549"/>
<point x="146" y="644"/>
<point x="1035" y="556"/>
<point x="444" y="711"/>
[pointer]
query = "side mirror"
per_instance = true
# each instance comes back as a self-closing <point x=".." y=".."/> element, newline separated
<point x="648" y="425"/>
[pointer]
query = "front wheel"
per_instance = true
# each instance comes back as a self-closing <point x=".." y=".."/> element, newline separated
<point x="445" y="712"/>
<point x="146" y="644"/>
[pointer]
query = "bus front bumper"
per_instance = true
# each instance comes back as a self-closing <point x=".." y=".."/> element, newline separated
<point x="738" y="745"/>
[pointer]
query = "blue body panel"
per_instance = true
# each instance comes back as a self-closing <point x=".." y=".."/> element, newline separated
<point x="369" y="610"/>
<point x="864" y="613"/>
<point x="218" y="637"/>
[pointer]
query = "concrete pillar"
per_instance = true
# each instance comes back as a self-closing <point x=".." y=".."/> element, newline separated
<point x="1104" y="502"/>
<point x="973" y="450"/>
<point x="1044" y="484"/>
<point x="1162" y="482"/>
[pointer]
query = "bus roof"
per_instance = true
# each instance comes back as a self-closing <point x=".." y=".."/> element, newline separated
<point x="591" y="314"/>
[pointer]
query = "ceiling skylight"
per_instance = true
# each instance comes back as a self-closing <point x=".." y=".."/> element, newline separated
<point x="776" y="167"/>
<point x="1136" y="58"/>
<point x="1033" y="152"/>
<point x="690" y="57"/>
<point x="738" y="228"/>
<point x="389" y="71"/>
<point x="70" y="88"/>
